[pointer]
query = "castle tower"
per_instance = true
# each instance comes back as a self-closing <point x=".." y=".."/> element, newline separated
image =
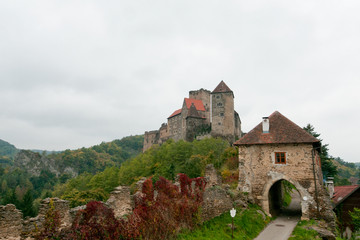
<point x="223" y="119"/>
<point x="204" y="96"/>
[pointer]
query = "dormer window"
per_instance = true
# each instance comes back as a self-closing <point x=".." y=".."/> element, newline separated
<point x="280" y="158"/>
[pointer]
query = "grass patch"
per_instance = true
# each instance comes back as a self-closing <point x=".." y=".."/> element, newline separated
<point x="301" y="233"/>
<point x="247" y="225"/>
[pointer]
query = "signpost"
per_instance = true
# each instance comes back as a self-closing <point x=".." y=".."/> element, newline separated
<point x="232" y="214"/>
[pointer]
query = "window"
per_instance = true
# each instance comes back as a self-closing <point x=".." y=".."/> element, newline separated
<point x="280" y="158"/>
<point x="219" y="104"/>
<point x="221" y="114"/>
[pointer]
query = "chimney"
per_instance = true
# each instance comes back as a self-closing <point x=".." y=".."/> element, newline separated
<point x="265" y="125"/>
<point x="330" y="186"/>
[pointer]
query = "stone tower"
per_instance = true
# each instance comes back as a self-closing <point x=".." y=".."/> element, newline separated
<point x="223" y="119"/>
<point x="203" y="95"/>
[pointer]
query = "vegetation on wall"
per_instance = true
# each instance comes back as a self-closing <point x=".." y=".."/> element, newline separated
<point x="161" y="217"/>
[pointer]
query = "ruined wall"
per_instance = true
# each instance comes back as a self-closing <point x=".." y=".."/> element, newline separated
<point x="150" y="138"/>
<point x="120" y="201"/>
<point x="223" y="120"/>
<point x="258" y="172"/>
<point x="10" y="222"/>
<point x="164" y="133"/>
<point x="174" y="127"/>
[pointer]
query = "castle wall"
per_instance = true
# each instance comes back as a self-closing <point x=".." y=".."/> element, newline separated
<point x="237" y="130"/>
<point x="258" y="172"/>
<point x="164" y="133"/>
<point x="223" y="122"/>
<point x="150" y="138"/>
<point x="174" y="127"/>
<point x="192" y="127"/>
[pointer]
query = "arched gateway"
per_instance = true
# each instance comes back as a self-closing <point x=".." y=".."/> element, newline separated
<point x="277" y="149"/>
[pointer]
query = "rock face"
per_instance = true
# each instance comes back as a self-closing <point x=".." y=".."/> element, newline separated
<point x="120" y="201"/>
<point x="34" y="163"/>
<point x="10" y="222"/>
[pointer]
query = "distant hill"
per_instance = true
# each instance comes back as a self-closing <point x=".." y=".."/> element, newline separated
<point x="348" y="173"/>
<point x="7" y="149"/>
<point x="73" y="162"/>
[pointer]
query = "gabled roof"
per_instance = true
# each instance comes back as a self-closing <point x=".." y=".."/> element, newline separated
<point x="197" y="103"/>
<point x="177" y="112"/>
<point x="222" y="88"/>
<point x="193" y="112"/>
<point x="282" y="130"/>
<point x="343" y="192"/>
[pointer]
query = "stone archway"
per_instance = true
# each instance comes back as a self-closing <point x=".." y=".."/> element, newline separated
<point x="284" y="199"/>
<point x="268" y="198"/>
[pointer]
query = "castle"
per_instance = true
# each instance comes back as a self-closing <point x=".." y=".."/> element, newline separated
<point x="203" y="114"/>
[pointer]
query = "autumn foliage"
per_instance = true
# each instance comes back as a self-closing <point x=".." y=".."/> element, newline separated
<point x="161" y="210"/>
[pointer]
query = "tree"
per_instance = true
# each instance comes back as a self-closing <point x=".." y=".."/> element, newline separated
<point x="327" y="167"/>
<point x="27" y="204"/>
<point x="355" y="216"/>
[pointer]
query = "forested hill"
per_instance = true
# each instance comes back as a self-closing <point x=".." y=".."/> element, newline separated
<point x="34" y="175"/>
<point x="7" y="149"/>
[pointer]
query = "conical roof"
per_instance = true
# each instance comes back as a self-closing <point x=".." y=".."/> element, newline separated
<point x="222" y="88"/>
<point x="282" y="130"/>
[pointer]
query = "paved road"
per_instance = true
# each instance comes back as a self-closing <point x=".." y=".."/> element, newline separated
<point x="279" y="229"/>
<point x="282" y="227"/>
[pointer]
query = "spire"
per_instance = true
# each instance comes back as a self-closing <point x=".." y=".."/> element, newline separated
<point x="222" y="88"/>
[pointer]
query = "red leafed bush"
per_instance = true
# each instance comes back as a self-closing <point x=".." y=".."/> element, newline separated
<point x="95" y="222"/>
<point x="164" y="209"/>
<point x="161" y="210"/>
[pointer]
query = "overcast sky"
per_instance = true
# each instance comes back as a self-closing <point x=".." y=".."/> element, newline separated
<point x="76" y="73"/>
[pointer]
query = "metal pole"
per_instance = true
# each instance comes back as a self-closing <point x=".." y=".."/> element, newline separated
<point x="232" y="229"/>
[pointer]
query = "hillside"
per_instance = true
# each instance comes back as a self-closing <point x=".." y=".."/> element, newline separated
<point x="7" y="152"/>
<point x="38" y="173"/>
<point x="347" y="173"/>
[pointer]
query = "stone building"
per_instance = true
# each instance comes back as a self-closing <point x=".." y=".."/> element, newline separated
<point x="203" y="113"/>
<point x="277" y="151"/>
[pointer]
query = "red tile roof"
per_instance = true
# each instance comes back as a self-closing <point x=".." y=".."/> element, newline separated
<point x="222" y="88"/>
<point x="177" y="112"/>
<point x="197" y="103"/>
<point x="282" y="130"/>
<point x="193" y="112"/>
<point x="343" y="192"/>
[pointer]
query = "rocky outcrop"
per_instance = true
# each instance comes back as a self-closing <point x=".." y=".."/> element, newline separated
<point x="34" y="163"/>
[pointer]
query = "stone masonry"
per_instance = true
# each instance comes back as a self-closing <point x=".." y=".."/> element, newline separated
<point x="204" y="113"/>
<point x="10" y="222"/>
<point x="279" y="150"/>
